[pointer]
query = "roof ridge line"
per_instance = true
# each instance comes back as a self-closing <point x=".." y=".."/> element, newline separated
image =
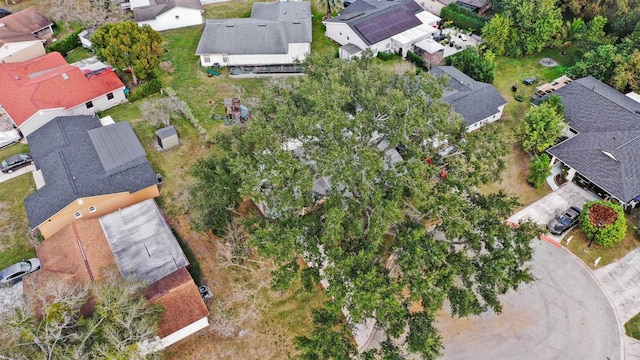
<point x="626" y="143"/>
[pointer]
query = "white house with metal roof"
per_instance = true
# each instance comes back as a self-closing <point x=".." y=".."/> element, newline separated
<point x="167" y="14"/>
<point x="382" y="26"/>
<point x="277" y="33"/>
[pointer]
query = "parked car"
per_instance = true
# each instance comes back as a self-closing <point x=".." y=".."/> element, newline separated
<point x="14" y="273"/>
<point x="15" y="162"/>
<point x="9" y="138"/>
<point x="530" y="80"/>
<point x="564" y="221"/>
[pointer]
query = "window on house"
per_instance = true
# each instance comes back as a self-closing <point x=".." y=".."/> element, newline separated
<point x="177" y="17"/>
<point x="109" y="96"/>
<point x="78" y="215"/>
<point x="207" y="59"/>
<point x="89" y="104"/>
<point x="92" y="209"/>
<point x="347" y="38"/>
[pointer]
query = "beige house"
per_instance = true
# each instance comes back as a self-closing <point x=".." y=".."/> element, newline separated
<point x="17" y="47"/>
<point x="88" y="170"/>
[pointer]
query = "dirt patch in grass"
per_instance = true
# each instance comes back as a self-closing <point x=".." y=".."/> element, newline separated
<point x="579" y="244"/>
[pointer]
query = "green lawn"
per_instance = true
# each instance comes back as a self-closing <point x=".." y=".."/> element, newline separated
<point x="632" y="327"/>
<point x="15" y="244"/>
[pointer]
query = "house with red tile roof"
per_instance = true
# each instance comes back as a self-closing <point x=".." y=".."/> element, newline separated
<point x="34" y="92"/>
<point x="138" y="242"/>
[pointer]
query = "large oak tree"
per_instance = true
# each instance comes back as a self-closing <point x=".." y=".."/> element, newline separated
<point x="126" y="45"/>
<point x="385" y="235"/>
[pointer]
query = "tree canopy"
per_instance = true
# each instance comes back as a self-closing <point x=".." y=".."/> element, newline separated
<point x="542" y="125"/>
<point x="523" y="27"/>
<point x="58" y="322"/>
<point x="478" y="66"/>
<point x="89" y="13"/>
<point x="126" y="45"/>
<point x="384" y="232"/>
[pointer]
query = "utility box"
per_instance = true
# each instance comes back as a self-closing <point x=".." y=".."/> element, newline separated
<point x="167" y="138"/>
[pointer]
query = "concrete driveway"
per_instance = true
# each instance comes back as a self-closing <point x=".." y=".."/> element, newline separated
<point x="564" y="314"/>
<point x="23" y="170"/>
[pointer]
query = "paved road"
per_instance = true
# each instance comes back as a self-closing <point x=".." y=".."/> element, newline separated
<point x="562" y="315"/>
<point x="622" y="281"/>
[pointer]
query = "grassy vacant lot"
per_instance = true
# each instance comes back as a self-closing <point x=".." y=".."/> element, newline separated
<point x="510" y="71"/>
<point x="579" y="244"/>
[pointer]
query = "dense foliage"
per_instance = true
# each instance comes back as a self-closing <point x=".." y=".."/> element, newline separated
<point x="65" y="45"/>
<point x="523" y="27"/>
<point x="463" y="18"/>
<point x="479" y="67"/>
<point x="539" y="170"/>
<point x="127" y="45"/>
<point x="542" y="125"/>
<point x="150" y="87"/>
<point x="317" y="154"/>
<point x="54" y="323"/>
<point x="596" y="228"/>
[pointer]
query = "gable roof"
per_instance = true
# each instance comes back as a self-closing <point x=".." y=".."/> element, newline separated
<point x="375" y="20"/>
<point x="72" y="167"/>
<point x="81" y="250"/>
<point x="607" y="147"/>
<point x="157" y="7"/>
<point x="49" y="82"/>
<point x="7" y="37"/>
<point x="269" y="30"/>
<point x="26" y="21"/>
<point x="472" y="99"/>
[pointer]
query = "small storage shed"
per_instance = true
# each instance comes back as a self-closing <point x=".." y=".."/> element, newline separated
<point x="167" y="137"/>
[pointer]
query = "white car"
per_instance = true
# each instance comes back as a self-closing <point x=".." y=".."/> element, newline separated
<point x="9" y="138"/>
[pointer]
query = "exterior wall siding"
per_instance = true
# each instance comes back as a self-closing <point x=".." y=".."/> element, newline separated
<point x="184" y="332"/>
<point x="343" y="34"/>
<point x="39" y="119"/>
<point x="168" y="20"/>
<point x="21" y="51"/>
<point x="296" y="51"/>
<point x="103" y="204"/>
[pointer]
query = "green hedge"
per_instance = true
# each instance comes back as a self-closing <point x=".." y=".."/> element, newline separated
<point x="416" y="59"/>
<point x="65" y="45"/>
<point x="386" y="56"/>
<point x="150" y="87"/>
<point x="463" y="18"/>
<point x="606" y="236"/>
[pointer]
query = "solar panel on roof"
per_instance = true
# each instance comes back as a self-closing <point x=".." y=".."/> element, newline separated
<point x="414" y="7"/>
<point x="387" y="24"/>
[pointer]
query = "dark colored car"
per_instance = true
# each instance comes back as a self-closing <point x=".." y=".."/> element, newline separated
<point x="563" y="222"/>
<point x="530" y="80"/>
<point x="4" y="12"/>
<point x="15" y="162"/>
<point x="15" y="272"/>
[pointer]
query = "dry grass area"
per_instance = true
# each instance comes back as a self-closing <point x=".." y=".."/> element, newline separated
<point x="248" y="320"/>
<point x="579" y="244"/>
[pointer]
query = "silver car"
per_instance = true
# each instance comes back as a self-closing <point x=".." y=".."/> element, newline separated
<point x="14" y="273"/>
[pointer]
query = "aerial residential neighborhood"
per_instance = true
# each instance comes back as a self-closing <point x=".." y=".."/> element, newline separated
<point x="197" y="179"/>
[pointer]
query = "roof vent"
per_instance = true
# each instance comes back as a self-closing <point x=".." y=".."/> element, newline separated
<point x="17" y="77"/>
<point x="262" y="25"/>
<point x="230" y="26"/>
<point x="65" y="76"/>
<point x="2" y="25"/>
<point x="609" y="155"/>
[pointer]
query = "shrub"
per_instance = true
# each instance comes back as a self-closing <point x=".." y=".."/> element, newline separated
<point x="463" y="18"/>
<point x="603" y="222"/>
<point x="386" y="56"/>
<point x="152" y="86"/>
<point x="416" y="59"/>
<point x="474" y="64"/>
<point x="67" y="44"/>
<point x="539" y="169"/>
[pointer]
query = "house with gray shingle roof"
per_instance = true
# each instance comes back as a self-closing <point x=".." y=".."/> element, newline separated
<point x="167" y="14"/>
<point x="277" y="33"/>
<point x="602" y="151"/>
<point x="89" y="170"/>
<point x="382" y="26"/>
<point x="479" y="103"/>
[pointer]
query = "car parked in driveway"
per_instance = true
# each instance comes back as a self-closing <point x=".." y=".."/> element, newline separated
<point x="9" y="138"/>
<point x="15" y="162"/>
<point x="564" y="221"/>
<point x="14" y="273"/>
